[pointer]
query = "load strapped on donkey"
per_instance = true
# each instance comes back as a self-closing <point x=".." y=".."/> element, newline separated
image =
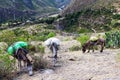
<point x="19" y="51"/>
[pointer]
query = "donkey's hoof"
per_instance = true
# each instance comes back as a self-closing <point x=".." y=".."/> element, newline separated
<point x="30" y="73"/>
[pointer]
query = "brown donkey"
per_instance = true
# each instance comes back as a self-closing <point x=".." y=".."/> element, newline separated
<point x="21" y="55"/>
<point x="90" y="45"/>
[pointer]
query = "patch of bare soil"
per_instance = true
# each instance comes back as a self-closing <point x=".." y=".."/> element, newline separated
<point x="78" y="66"/>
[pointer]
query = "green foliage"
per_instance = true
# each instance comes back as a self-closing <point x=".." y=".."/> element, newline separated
<point x="7" y="36"/>
<point x="31" y="48"/>
<point x="10" y="36"/>
<point x="106" y="28"/>
<point x="116" y="25"/>
<point x="7" y="65"/>
<point x="75" y="48"/>
<point x="83" y="30"/>
<point x="116" y="16"/>
<point x="41" y="49"/>
<point x="42" y="36"/>
<point x="48" y="20"/>
<point x="51" y="34"/>
<point x="50" y="26"/>
<point x="99" y="19"/>
<point x="113" y="39"/>
<point x="83" y="38"/>
<point x="27" y="10"/>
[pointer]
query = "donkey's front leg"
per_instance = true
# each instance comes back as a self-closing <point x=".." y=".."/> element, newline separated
<point x="102" y="47"/>
<point x="19" y="65"/>
<point x="88" y="50"/>
<point x="92" y="49"/>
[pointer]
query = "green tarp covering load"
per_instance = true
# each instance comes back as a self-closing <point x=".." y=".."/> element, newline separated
<point x="16" y="46"/>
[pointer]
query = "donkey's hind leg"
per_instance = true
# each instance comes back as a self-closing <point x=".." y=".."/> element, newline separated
<point x="54" y="56"/>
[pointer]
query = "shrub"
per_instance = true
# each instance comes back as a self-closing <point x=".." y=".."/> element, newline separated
<point x="7" y="36"/>
<point x="39" y="63"/>
<point x="113" y="39"/>
<point x="21" y="35"/>
<point x="75" y="48"/>
<point x="41" y="49"/>
<point x="83" y="30"/>
<point x="7" y="66"/>
<point x="42" y="38"/>
<point x="51" y="34"/>
<point x="82" y="39"/>
<point x="107" y="28"/>
<point x="31" y="48"/>
<point x="50" y="27"/>
<point x="116" y="16"/>
<point x="116" y="25"/>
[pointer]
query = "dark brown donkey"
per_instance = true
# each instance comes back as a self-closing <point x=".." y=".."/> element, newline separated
<point x="90" y="45"/>
<point x="21" y="55"/>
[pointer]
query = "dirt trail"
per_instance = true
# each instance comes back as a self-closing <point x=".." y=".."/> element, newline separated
<point x="78" y="66"/>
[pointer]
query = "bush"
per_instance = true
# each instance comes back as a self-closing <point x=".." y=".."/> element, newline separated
<point x="51" y="34"/>
<point x="39" y="63"/>
<point x="113" y="39"/>
<point x="8" y="36"/>
<point x="41" y="38"/>
<point x="75" y="48"/>
<point x="116" y="16"/>
<point x="83" y="30"/>
<point x="7" y="66"/>
<point x="50" y="27"/>
<point x="41" y="49"/>
<point x="116" y="25"/>
<point x="31" y="48"/>
<point x="21" y="35"/>
<point x="82" y="39"/>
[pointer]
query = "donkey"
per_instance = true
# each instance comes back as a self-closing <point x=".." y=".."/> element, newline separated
<point x="90" y="45"/>
<point x="54" y="48"/>
<point x="21" y="55"/>
<point x="53" y="44"/>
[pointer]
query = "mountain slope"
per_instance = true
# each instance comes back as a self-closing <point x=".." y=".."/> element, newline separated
<point x="77" y="5"/>
<point x="91" y="15"/>
<point x="9" y="9"/>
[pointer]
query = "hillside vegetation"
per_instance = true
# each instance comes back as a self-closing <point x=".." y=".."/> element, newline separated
<point x="26" y="9"/>
<point x="78" y="5"/>
<point x="91" y="15"/>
